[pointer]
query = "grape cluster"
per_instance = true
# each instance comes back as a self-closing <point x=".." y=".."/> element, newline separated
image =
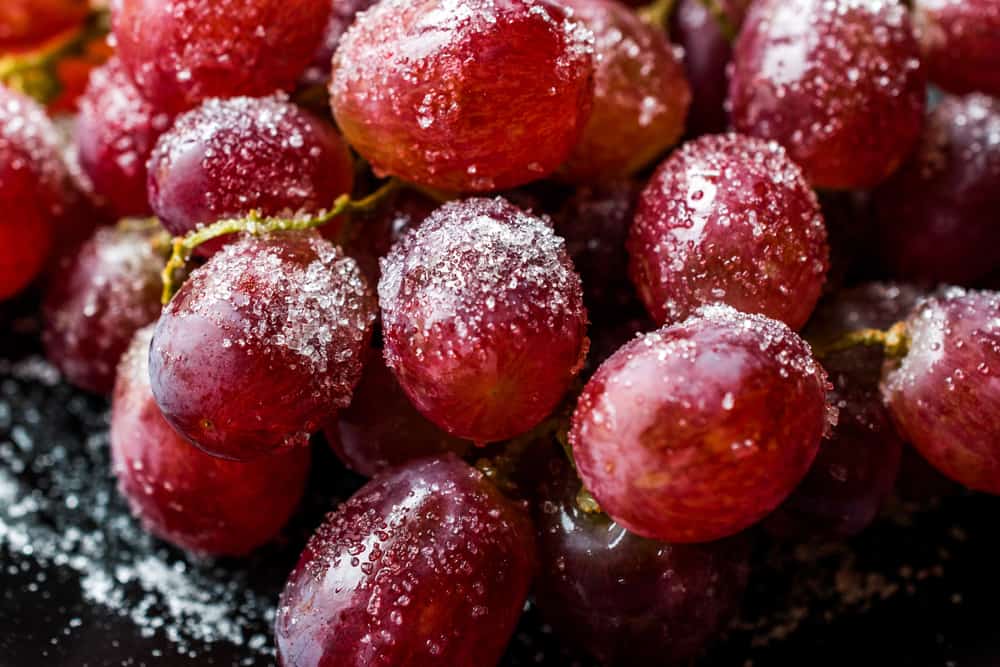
<point x="452" y="241"/>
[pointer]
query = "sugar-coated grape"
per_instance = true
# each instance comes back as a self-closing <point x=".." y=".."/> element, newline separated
<point x="471" y="96"/>
<point x="730" y="219"/>
<point x="628" y="600"/>
<point x="96" y="302"/>
<point x="837" y="82"/>
<point x="697" y="431"/>
<point x="342" y="15"/>
<point x="936" y="217"/>
<point x="960" y="43"/>
<point x="707" y="53"/>
<point x="196" y="501"/>
<point x="382" y="429"/>
<point x="228" y="157"/>
<point x="25" y="24"/>
<point x="483" y="318"/>
<point x="181" y="53"/>
<point x="115" y="134"/>
<point x="944" y="394"/>
<point x="426" y="565"/>
<point x="640" y="94"/>
<point x="261" y="343"/>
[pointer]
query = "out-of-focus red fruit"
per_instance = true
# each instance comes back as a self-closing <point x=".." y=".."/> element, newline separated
<point x="426" y="565"/>
<point x="26" y="24"/>
<point x="960" y="43"/>
<point x="182" y="495"/>
<point x="837" y="82"/>
<point x="699" y="430"/>
<point x="342" y="15"/>
<point x="729" y="219"/>
<point x="471" y="96"/>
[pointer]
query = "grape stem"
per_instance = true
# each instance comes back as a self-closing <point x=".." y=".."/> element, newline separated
<point x="253" y="223"/>
<point x="500" y="469"/>
<point x="895" y="342"/>
<point x="657" y="12"/>
<point x="721" y="18"/>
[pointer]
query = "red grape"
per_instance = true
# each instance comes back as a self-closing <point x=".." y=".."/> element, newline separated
<point x="483" y="319"/>
<point x="115" y="134"/>
<point x="944" y="394"/>
<point x="341" y="17"/>
<point x="196" y="501"/>
<point x="837" y="82"/>
<point x="960" y="41"/>
<point x="936" y="218"/>
<point x="382" y="429"/>
<point x="426" y="565"/>
<point x="228" y="157"/>
<point x="729" y="219"/>
<point x="25" y="24"/>
<point x="699" y="430"/>
<point x="181" y="53"/>
<point x="640" y="94"/>
<point x="471" y="96"/>
<point x="109" y="289"/>
<point x="629" y="600"/>
<point x="261" y="343"/>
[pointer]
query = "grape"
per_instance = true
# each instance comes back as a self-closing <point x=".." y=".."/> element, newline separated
<point x="196" y="501"/>
<point x="261" y="343"/>
<point x="960" y="42"/>
<point x="25" y="24"/>
<point x="640" y="94"/>
<point x="629" y="600"/>
<point x="228" y="157"/>
<point x="837" y="82"/>
<point x="426" y="565"/>
<point x="730" y="219"/>
<point x="341" y="18"/>
<point x="115" y="134"/>
<point x="707" y="53"/>
<point x="382" y="429"/>
<point x="472" y="96"/>
<point x="944" y="394"/>
<point x="181" y="53"/>
<point x="94" y="305"/>
<point x="936" y="217"/>
<point x="483" y="319"/>
<point x="697" y="431"/>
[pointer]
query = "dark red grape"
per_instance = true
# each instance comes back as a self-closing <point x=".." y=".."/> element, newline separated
<point x="960" y="42"/>
<point x="483" y="319"/>
<point x="382" y="429"/>
<point x="837" y="82"/>
<point x="261" y="343"/>
<point x="181" y="53"/>
<point x="628" y="600"/>
<point x="94" y="304"/>
<point x="472" y="96"/>
<point x="426" y="565"/>
<point x="182" y="495"/>
<point x="936" y="218"/>
<point x="699" y="430"/>
<point x="707" y="53"/>
<point x="228" y="157"/>
<point x="944" y="394"/>
<point x="640" y="94"/>
<point x="115" y="134"/>
<point x="730" y="219"/>
<point x="342" y="16"/>
<point x="25" y="24"/>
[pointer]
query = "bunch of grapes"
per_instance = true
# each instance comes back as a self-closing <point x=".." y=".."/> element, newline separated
<point x="483" y="235"/>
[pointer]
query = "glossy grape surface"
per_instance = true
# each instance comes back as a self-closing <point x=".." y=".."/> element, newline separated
<point x="25" y="24"/>
<point x="342" y="15"/>
<point x="115" y="134"/>
<point x="697" y="431"/>
<point x="960" y="43"/>
<point x="628" y="600"/>
<point x="729" y="218"/>
<point x="944" y="394"/>
<point x="426" y="565"/>
<point x="96" y="302"/>
<point x="837" y="82"/>
<point x="181" y="53"/>
<point x="640" y="94"/>
<point x="196" y="501"/>
<point x="261" y="344"/>
<point x="472" y="96"/>
<point x="483" y="319"/>
<point x="936" y="218"/>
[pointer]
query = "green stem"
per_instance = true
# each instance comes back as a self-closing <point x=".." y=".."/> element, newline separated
<point x="895" y="342"/>
<point x="253" y="223"/>
<point x="721" y="18"/>
<point x="657" y="12"/>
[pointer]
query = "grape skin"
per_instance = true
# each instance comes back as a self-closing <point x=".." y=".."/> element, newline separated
<point x="960" y="43"/>
<point x="26" y="24"/>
